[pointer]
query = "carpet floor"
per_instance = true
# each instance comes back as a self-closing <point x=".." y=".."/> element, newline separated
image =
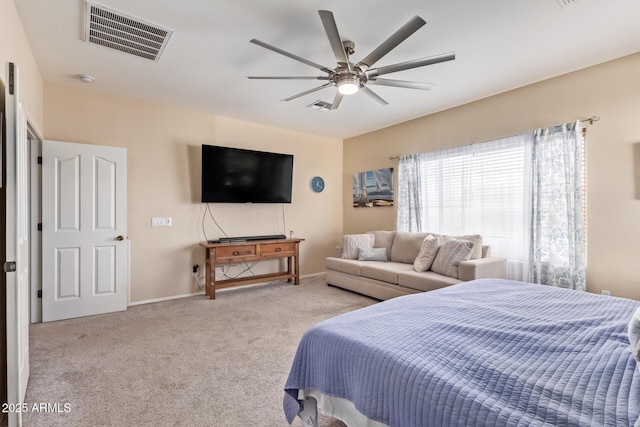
<point x="185" y="362"/>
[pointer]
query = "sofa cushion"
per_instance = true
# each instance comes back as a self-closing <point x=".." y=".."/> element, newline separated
<point x="386" y="272"/>
<point x="450" y="253"/>
<point x="406" y="246"/>
<point x="352" y="242"/>
<point x="427" y="253"/>
<point x="384" y="239"/>
<point x="348" y="266"/>
<point x="372" y="254"/>
<point x="424" y="280"/>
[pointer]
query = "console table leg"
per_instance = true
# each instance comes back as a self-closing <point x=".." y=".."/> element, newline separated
<point x="211" y="273"/>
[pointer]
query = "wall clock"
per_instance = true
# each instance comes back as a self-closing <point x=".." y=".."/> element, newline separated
<point x="317" y="184"/>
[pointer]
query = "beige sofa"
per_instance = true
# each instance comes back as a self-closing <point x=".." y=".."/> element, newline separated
<point x="397" y="276"/>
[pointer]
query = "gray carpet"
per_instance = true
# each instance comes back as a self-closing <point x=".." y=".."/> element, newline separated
<point x="186" y="362"/>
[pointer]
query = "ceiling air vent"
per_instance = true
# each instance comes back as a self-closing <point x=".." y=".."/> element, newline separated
<point x="565" y="3"/>
<point x="320" y="105"/>
<point x="125" y="33"/>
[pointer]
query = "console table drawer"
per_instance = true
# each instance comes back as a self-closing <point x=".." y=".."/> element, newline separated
<point x="278" y="249"/>
<point x="235" y="252"/>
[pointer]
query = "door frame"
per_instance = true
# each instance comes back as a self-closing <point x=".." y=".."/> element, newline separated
<point x="35" y="143"/>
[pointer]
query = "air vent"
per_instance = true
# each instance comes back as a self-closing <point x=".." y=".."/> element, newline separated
<point x="125" y="33"/>
<point x="565" y="3"/>
<point x="320" y="105"/>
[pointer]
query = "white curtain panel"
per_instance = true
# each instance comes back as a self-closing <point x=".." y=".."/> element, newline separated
<point x="410" y="210"/>
<point x="558" y="224"/>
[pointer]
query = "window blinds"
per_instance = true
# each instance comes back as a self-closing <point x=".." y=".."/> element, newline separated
<point x="476" y="189"/>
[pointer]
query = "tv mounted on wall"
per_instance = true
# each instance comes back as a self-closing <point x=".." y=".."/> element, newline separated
<point x="234" y="175"/>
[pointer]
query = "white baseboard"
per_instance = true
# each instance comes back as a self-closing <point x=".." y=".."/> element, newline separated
<point x="150" y="301"/>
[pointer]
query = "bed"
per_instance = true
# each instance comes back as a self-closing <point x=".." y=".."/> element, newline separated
<point x="482" y="353"/>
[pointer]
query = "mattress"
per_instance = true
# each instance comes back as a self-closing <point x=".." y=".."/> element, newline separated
<point x="482" y="353"/>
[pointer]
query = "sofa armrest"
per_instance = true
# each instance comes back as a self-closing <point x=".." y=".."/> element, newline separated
<point x="490" y="267"/>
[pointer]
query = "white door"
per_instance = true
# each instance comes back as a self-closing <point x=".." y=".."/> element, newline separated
<point x="85" y="250"/>
<point x="17" y="246"/>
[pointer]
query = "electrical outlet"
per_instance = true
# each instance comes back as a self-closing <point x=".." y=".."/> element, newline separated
<point x="194" y="269"/>
<point x="606" y="292"/>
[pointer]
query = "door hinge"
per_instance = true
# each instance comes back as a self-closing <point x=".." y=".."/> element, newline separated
<point x="12" y="78"/>
<point x="39" y="160"/>
<point x="9" y="266"/>
<point x="39" y="293"/>
<point x="39" y="226"/>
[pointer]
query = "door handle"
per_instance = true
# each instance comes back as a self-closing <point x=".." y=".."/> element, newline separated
<point x="120" y="238"/>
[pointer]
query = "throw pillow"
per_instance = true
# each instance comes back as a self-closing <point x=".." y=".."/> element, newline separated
<point x="476" y="239"/>
<point x="634" y="335"/>
<point x="352" y="242"/>
<point x="372" y="254"/>
<point x="427" y="253"/>
<point x="449" y="255"/>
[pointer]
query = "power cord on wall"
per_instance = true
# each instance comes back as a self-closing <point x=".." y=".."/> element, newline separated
<point x="195" y="274"/>
<point x="225" y="270"/>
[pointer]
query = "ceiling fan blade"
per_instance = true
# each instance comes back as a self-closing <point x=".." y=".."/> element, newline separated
<point x="337" y="100"/>
<point x="400" y="83"/>
<point x="290" y="55"/>
<point x="288" y="78"/>
<point x="373" y="95"/>
<point x="306" y="92"/>
<point x="396" y="38"/>
<point x="334" y="37"/>
<point x="374" y="72"/>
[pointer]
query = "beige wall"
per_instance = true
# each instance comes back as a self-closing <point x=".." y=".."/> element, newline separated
<point x="14" y="47"/>
<point x="610" y="90"/>
<point x="163" y="146"/>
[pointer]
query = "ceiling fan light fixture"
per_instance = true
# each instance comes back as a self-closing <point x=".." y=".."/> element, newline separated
<point x="348" y="84"/>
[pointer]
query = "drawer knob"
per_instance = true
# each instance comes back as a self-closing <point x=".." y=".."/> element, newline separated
<point x="278" y="249"/>
<point x="236" y="252"/>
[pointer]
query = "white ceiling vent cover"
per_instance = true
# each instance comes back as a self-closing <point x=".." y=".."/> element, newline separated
<point x="128" y="34"/>
<point x="320" y="105"/>
<point x="564" y="3"/>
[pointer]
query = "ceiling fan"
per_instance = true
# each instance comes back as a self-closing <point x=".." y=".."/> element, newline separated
<point x="350" y="78"/>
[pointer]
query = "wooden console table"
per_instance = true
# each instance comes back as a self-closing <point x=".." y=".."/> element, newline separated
<point x="258" y="250"/>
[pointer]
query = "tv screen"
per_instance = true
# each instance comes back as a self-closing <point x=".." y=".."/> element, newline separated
<point x="234" y="175"/>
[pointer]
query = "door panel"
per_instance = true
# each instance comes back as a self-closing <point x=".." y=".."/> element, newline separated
<point x="17" y="246"/>
<point x="84" y="262"/>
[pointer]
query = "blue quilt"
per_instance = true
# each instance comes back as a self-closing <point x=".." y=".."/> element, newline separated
<point x="482" y="353"/>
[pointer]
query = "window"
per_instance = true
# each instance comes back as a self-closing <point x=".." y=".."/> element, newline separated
<point x="476" y="189"/>
<point x="506" y="190"/>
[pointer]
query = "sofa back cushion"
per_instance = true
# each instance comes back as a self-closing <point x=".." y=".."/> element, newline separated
<point x="384" y="239"/>
<point x="406" y="246"/>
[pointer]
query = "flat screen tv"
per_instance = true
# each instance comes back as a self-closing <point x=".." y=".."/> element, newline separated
<point x="234" y="175"/>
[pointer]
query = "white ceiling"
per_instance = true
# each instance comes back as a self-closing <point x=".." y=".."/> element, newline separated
<point x="499" y="45"/>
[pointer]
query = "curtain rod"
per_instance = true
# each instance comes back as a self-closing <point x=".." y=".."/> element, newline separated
<point x="591" y="121"/>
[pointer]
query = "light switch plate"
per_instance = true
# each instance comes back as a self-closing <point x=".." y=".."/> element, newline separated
<point x="161" y="222"/>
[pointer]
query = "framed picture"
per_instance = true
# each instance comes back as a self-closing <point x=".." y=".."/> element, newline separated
<point x="373" y="188"/>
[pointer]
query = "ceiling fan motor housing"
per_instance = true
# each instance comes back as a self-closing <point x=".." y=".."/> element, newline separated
<point x="348" y="83"/>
